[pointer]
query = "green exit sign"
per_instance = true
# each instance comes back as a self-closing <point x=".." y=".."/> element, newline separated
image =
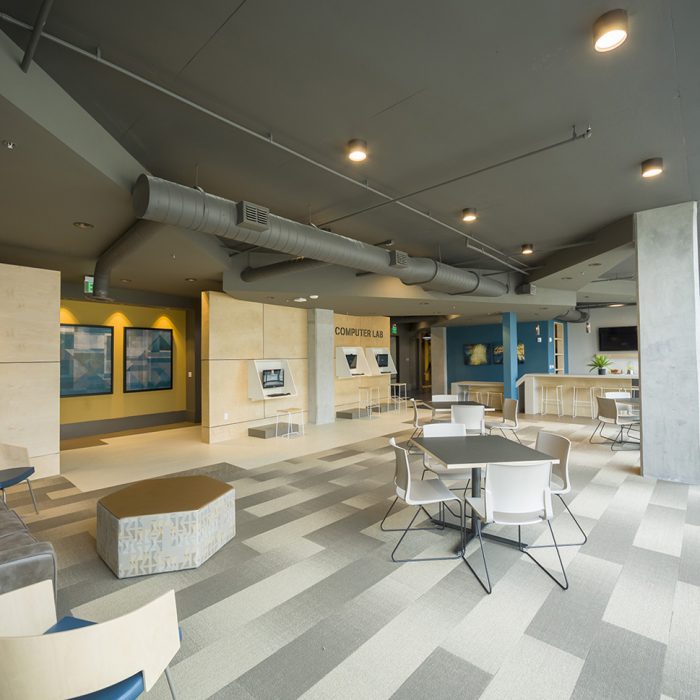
<point x="394" y="329"/>
<point x="88" y="284"/>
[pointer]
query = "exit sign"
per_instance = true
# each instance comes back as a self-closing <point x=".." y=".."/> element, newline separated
<point x="88" y="284"/>
<point x="394" y="329"/>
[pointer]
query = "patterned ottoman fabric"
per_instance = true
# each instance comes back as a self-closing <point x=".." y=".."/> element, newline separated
<point x="162" y="525"/>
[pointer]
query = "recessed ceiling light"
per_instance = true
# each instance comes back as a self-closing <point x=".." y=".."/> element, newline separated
<point x="125" y="280"/>
<point x="615" y="306"/>
<point x="9" y="145"/>
<point x="652" y="167"/>
<point x="357" y="150"/>
<point x="610" y="30"/>
<point x="300" y="299"/>
<point x="595" y="264"/>
<point x="190" y="279"/>
<point x="313" y="296"/>
<point x="527" y="249"/>
<point x="83" y="224"/>
<point x="469" y="214"/>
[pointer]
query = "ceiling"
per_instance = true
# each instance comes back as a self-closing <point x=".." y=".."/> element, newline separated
<point x="436" y="89"/>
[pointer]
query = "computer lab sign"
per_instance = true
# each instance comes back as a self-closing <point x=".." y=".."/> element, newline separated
<point x="358" y="332"/>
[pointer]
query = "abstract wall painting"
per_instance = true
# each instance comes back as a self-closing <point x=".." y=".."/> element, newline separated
<point x="477" y="354"/>
<point x="86" y="360"/>
<point x="148" y="359"/>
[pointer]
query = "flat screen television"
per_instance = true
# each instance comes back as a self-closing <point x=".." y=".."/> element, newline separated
<point x="382" y="359"/>
<point x="351" y="360"/>
<point x="617" y="338"/>
<point x="272" y="378"/>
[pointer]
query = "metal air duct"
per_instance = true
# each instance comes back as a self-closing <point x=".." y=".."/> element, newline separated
<point x="169" y="203"/>
<point x="573" y="316"/>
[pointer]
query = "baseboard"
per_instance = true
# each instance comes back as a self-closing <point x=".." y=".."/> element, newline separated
<point x="116" y="425"/>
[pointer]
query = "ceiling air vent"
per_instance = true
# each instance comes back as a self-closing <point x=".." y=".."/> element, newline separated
<point x="397" y="258"/>
<point x="253" y="217"/>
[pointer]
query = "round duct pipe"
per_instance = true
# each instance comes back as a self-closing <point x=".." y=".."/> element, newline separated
<point x="573" y="316"/>
<point x="169" y="203"/>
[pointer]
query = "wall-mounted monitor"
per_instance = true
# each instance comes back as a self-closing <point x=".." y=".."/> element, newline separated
<point x="351" y="360"/>
<point x="272" y="378"/>
<point x="617" y="339"/>
<point x="382" y="360"/>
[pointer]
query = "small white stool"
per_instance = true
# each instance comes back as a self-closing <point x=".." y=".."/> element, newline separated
<point x="577" y="401"/>
<point x="498" y="395"/>
<point x="367" y="399"/>
<point x="398" y="394"/>
<point x="290" y="413"/>
<point x="557" y="399"/>
<point x="596" y="392"/>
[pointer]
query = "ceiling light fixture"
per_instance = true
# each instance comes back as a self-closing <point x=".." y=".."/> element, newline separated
<point x="125" y="280"/>
<point x="83" y="224"/>
<point x="9" y="145"/>
<point x="588" y="326"/>
<point x="652" y="167"/>
<point x="610" y="30"/>
<point x="469" y="214"/>
<point x="190" y="279"/>
<point x="527" y="249"/>
<point x="357" y="150"/>
<point x="615" y="306"/>
<point x="300" y="300"/>
<point x="313" y="296"/>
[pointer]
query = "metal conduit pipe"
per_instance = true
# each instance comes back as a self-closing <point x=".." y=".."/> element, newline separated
<point x="251" y="274"/>
<point x="170" y="203"/>
<point x="130" y="239"/>
<point x="573" y="316"/>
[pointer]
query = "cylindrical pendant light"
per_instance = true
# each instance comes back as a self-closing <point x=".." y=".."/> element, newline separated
<point x="357" y="150"/>
<point x="652" y="167"/>
<point x="469" y="214"/>
<point x="610" y="30"/>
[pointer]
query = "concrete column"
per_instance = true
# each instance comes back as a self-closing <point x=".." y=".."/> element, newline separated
<point x="321" y="366"/>
<point x="669" y="341"/>
<point x="510" y="354"/>
<point x="438" y="360"/>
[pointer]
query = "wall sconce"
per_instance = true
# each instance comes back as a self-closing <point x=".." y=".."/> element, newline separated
<point x="588" y="326"/>
<point x="537" y="330"/>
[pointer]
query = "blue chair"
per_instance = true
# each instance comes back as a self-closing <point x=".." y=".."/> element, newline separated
<point x="15" y="468"/>
<point x="72" y="658"/>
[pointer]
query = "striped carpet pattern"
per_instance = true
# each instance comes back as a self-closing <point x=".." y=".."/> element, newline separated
<point x="305" y="601"/>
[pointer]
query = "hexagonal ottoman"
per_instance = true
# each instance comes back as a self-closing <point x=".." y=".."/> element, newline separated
<point x="167" y="524"/>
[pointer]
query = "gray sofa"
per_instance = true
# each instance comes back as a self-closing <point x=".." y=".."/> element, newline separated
<point x="23" y="559"/>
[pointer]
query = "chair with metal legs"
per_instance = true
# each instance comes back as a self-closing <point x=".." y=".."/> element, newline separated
<point x="443" y="413"/>
<point x="420" y="494"/>
<point x="515" y="494"/>
<point x="509" y="422"/>
<point x="442" y="472"/>
<point x="609" y="414"/>
<point x="471" y="417"/>
<point x="17" y="459"/>
<point x="559" y="447"/>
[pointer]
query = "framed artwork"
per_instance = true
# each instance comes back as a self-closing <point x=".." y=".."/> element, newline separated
<point x="498" y="354"/>
<point x="477" y="354"/>
<point x="87" y="354"/>
<point x="148" y="359"/>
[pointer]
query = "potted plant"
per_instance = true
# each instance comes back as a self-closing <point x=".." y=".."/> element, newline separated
<point x="601" y="363"/>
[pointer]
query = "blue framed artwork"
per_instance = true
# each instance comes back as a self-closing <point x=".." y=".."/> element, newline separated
<point x="86" y="354"/>
<point x="477" y="354"/>
<point x="148" y="359"/>
<point x="497" y="353"/>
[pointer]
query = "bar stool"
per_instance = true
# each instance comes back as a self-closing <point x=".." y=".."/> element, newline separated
<point x="472" y="395"/>
<point x="595" y="393"/>
<point x="577" y="401"/>
<point x="498" y="396"/>
<point x="367" y="399"/>
<point x="293" y="430"/>
<point x="398" y="394"/>
<point x="557" y="399"/>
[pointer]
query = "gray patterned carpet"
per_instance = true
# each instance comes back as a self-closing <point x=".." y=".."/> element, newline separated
<point x="306" y="601"/>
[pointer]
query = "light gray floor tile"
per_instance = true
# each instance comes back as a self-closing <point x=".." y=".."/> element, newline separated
<point x="661" y="530"/>
<point x="621" y="665"/>
<point x="689" y="568"/>
<point x="670" y="495"/>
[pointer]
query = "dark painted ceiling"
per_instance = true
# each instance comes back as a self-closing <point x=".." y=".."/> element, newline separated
<point x="437" y="89"/>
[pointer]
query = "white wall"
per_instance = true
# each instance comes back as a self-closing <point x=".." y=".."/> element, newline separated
<point x="582" y="346"/>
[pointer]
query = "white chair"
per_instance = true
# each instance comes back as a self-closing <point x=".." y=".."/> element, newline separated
<point x="420" y="494"/>
<point x="559" y="447"/>
<point x="609" y="414"/>
<point x="443" y="412"/>
<point x="510" y="420"/>
<point x="623" y="410"/>
<point x="471" y="417"/>
<point x="442" y="472"/>
<point x="417" y="423"/>
<point x="515" y="494"/>
<point x="43" y="658"/>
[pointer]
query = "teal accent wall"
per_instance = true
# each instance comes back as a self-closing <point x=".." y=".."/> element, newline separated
<point x="538" y="355"/>
<point x="510" y="355"/>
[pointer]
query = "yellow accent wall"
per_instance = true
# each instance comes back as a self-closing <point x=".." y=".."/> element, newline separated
<point x="78" y="409"/>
